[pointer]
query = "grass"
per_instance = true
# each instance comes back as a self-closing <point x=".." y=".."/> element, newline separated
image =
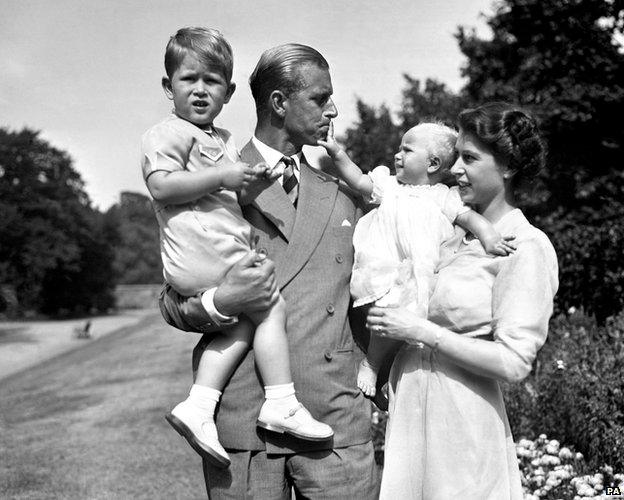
<point x="90" y="424"/>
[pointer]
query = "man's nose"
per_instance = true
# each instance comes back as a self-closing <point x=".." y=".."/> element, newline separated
<point x="330" y="109"/>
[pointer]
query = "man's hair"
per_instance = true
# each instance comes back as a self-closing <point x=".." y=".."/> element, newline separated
<point x="207" y="44"/>
<point x="279" y="69"/>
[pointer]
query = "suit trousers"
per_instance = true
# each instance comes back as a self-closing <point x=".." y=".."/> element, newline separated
<point x="337" y="474"/>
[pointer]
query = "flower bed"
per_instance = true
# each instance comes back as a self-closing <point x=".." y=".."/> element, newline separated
<point x="551" y="472"/>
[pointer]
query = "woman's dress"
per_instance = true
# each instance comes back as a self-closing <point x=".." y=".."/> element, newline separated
<point x="448" y="436"/>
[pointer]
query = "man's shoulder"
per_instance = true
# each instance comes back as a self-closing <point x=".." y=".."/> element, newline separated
<point x="249" y="153"/>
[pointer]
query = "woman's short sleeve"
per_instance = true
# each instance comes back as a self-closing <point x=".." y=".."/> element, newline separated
<point x="382" y="181"/>
<point x="522" y="303"/>
<point x="163" y="147"/>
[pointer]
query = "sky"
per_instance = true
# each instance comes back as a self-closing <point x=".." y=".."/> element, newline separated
<point x="87" y="73"/>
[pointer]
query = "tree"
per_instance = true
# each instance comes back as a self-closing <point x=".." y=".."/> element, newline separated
<point x="374" y="139"/>
<point x="137" y="256"/>
<point x="561" y="59"/>
<point x="433" y="102"/>
<point x="51" y="247"/>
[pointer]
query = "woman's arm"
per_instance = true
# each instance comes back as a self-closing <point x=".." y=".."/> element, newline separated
<point x="347" y="170"/>
<point x="522" y="301"/>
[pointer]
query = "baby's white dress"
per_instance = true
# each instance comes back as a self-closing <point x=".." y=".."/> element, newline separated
<point x="397" y="245"/>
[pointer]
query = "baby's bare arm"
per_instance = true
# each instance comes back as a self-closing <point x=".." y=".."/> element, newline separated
<point x="347" y="170"/>
<point x="483" y="229"/>
<point x="182" y="186"/>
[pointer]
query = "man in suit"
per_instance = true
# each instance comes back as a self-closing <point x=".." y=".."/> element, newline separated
<point x="304" y="224"/>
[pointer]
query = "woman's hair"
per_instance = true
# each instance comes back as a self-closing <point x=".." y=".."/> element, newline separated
<point x="511" y="135"/>
<point x="208" y="44"/>
<point x="279" y="69"/>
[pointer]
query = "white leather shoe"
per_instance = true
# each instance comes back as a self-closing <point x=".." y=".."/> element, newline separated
<point x="297" y="422"/>
<point x="200" y="433"/>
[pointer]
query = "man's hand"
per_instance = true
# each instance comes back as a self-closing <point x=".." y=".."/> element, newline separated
<point x="248" y="286"/>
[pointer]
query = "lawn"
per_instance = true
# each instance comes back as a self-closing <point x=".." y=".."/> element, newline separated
<point x="90" y="424"/>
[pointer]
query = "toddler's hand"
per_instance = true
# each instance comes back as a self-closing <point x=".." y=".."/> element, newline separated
<point x="502" y="245"/>
<point x="237" y="176"/>
<point x="264" y="172"/>
<point x="330" y="144"/>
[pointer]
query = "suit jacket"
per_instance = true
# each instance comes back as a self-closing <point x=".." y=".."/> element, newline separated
<point x="313" y="254"/>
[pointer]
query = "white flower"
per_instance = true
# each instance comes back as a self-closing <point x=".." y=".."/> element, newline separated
<point x="560" y="365"/>
<point x="572" y="310"/>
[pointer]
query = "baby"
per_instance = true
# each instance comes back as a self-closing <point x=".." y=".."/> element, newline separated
<point x="397" y="245"/>
<point x="193" y="172"/>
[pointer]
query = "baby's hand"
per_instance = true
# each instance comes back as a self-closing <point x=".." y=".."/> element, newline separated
<point x="237" y="176"/>
<point x="501" y="245"/>
<point x="330" y="144"/>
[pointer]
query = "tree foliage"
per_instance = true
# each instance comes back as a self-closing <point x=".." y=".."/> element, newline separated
<point x="137" y="257"/>
<point x="55" y="250"/>
<point x="562" y="60"/>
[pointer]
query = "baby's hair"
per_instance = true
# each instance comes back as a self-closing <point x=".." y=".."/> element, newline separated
<point x="512" y="136"/>
<point x="208" y="44"/>
<point x="440" y="144"/>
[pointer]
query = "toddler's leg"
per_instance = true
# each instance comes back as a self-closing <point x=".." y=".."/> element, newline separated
<point x="378" y="349"/>
<point x="281" y="411"/>
<point x="193" y="418"/>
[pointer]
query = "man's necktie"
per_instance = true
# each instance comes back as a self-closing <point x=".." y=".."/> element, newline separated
<point x="290" y="184"/>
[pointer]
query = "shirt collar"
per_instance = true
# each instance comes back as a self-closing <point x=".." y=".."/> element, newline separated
<point x="272" y="156"/>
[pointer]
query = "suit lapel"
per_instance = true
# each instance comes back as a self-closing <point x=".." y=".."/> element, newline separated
<point x="269" y="197"/>
<point x="317" y="195"/>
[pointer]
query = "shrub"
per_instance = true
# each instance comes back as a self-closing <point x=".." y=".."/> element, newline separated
<point x="575" y="391"/>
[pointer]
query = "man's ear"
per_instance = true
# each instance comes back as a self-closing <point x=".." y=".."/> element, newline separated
<point x="230" y="91"/>
<point x="166" y="85"/>
<point x="278" y="103"/>
<point x="434" y="165"/>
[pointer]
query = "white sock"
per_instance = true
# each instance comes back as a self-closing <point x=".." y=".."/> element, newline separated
<point x="283" y="394"/>
<point x="204" y="398"/>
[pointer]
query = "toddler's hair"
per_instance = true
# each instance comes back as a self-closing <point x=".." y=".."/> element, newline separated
<point x="441" y="143"/>
<point x="208" y="44"/>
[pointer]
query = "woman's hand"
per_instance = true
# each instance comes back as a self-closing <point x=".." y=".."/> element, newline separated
<point x="399" y="323"/>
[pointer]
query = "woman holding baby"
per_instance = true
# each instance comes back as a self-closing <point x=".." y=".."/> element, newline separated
<point x="448" y="435"/>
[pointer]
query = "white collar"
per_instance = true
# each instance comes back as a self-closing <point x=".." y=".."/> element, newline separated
<point x="272" y="156"/>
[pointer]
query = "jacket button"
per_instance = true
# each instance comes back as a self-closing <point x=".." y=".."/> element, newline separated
<point x="328" y="355"/>
<point x="339" y="258"/>
<point x="330" y="309"/>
